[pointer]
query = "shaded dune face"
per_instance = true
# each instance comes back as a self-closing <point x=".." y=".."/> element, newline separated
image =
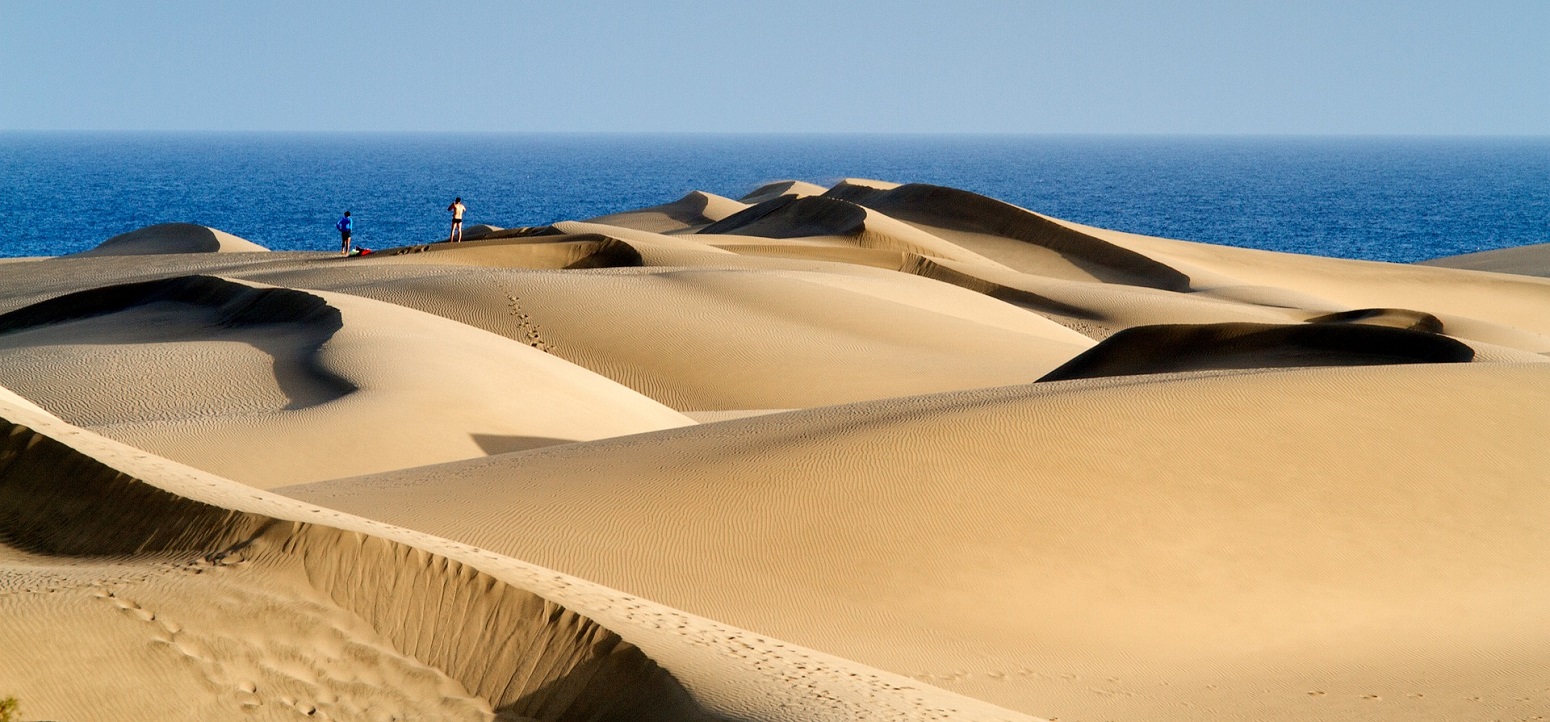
<point x="964" y="211"/>
<point x="528" y="657"/>
<point x="1184" y="347"/>
<point x="288" y="326"/>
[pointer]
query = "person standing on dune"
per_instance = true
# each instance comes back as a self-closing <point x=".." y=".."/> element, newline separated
<point x="345" y="225"/>
<point x="456" y="236"/>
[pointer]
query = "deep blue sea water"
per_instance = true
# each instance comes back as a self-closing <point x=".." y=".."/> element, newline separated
<point x="1394" y="199"/>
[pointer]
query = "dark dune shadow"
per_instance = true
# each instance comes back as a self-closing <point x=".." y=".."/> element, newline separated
<point x="276" y="319"/>
<point x="1221" y="346"/>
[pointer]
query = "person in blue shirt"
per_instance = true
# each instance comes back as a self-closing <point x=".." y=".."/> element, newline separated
<point x="345" y="225"/>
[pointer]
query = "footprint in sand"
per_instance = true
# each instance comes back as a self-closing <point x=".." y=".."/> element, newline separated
<point x="144" y="615"/>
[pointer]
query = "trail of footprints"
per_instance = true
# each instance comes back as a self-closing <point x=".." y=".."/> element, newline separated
<point x="267" y="654"/>
<point x="527" y="331"/>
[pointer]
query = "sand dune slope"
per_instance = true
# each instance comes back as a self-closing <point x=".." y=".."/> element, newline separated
<point x="270" y="386"/>
<point x="1277" y="545"/>
<point x="195" y="598"/>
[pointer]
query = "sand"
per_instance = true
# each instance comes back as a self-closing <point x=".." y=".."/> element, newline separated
<point x="873" y="451"/>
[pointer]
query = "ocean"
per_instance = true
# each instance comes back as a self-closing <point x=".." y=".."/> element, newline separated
<point x="1389" y="199"/>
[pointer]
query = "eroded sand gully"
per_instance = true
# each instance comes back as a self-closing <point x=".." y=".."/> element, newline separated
<point x="874" y="451"/>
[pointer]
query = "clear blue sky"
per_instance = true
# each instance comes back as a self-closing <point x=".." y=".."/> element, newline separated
<point x="997" y="66"/>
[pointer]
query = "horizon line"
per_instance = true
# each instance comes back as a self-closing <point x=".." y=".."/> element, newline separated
<point x="766" y="133"/>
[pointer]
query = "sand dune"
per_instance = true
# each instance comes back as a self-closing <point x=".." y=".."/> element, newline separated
<point x="221" y="375"/>
<point x="1531" y="260"/>
<point x="841" y="448"/>
<point x="173" y="238"/>
<point x="199" y="598"/>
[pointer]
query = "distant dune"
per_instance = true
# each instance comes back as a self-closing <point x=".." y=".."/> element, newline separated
<point x="1525" y="260"/>
<point x="875" y="451"/>
<point x="173" y="238"/>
